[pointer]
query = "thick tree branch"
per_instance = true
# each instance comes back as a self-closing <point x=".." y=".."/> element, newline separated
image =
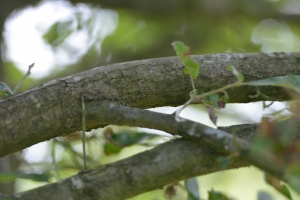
<point x="153" y="169"/>
<point x="220" y="141"/>
<point x="51" y="109"/>
<point x="170" y="162"/>
<point x="54" y="109"/>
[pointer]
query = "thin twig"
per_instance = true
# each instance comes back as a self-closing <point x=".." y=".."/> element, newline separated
<point x="179" y="110"/>
<point x="83" y="132"/>
<point x="199" y="98"/>
<point x="258" y="94"/>
<point x="192" y="95"/>
<point x="24" y="77"/>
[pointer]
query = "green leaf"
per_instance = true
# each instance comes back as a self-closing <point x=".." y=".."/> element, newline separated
<point x="276" y="183"/>
<point x="192" y="188"/>
<point x="191" y="67"/>
<point x="212" y="100"/>
<point x="215" y="195"/>
<point x="235" y="72"/>
<point x="5" y="90"/>
<point x="183" y="51"/>
<point x="110" y="148"/>
<point x="288" y="81"/>
<point x="293" y="176"/>
<point x="117" y="141"/>
<point x="286" y="192"/>
<point x="35" y="177"/>
<point x="128" y="138"/>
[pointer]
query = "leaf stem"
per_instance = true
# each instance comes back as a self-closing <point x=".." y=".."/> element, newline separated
<point x="199" y="98"/>
<point x="192" y="82"/>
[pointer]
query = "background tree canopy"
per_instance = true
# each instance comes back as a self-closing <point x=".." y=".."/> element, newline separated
<point x="95" y="33"/>
<point x="141" y="30"/>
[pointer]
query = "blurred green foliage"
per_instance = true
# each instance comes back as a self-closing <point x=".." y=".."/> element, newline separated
<point x="207" y="26"/>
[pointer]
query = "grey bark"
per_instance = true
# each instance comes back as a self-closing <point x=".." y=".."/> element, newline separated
<point x="52" y="109"/>
<point x="153" y="169"/>
<point x="170" y="162"/>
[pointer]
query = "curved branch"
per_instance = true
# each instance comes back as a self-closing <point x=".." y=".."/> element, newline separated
<point x="51" y="110"/>
<point x="170" y="162"/>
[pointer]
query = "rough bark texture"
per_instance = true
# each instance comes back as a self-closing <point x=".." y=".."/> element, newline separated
<point x="51" y="109"/>
<point x="149" y="170"/>
<point x="167" y="163"/>
<point x="54" y="109"/>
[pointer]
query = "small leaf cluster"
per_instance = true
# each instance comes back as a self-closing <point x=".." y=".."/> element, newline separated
<point x="269" y="137"/>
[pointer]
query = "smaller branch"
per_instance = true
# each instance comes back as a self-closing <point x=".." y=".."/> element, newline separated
<point x="220" y="141"/>
<point x="179" y="110"/>
<point x="199" y="98"/>
<point x="24" y="77"/>
<point x="258" y="94"/>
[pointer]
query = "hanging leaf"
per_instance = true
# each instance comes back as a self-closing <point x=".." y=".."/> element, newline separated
<point x="215" y="195"/>
<point x="212" y="115"/>
<point x="293" y="176"/>
<point x="221" y="104"/>
<point x="192" y="188"/>
<point x="276" y="183"/>
<point x="35" y="177"/>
